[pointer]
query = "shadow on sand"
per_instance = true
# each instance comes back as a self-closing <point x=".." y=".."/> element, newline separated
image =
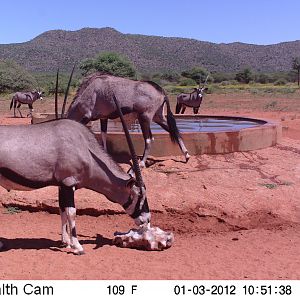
<point x="43" y="243"/>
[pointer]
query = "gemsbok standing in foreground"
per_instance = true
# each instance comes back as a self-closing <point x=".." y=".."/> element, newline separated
<point x="193" y="99"/>
<point x="94" y="100"/>
<point x="29" y="98"/>
<point x="66" y="154"/>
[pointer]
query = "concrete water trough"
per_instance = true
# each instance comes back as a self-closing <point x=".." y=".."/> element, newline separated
<point x="201" y="134"/>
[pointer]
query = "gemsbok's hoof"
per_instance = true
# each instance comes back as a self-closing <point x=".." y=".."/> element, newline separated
<point x="65" y="245"/>
<point x="187" y="157"/>
<point x="79" y="252"/>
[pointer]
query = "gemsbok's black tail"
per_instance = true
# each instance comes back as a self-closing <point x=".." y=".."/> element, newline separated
<point x="174" y="131"/>
<point x="11" y="102"/>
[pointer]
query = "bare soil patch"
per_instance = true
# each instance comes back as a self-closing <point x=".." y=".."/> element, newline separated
<point x="234" y="216"/>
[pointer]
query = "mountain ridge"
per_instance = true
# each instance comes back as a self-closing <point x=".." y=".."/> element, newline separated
<point x="60" y="48"/>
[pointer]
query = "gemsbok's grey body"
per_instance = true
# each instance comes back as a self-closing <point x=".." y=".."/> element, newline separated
<point x="66" y="154"/>
<point x="193" y="99"/>
<point x="20" y="98"/>
<point x="146" y="99"/>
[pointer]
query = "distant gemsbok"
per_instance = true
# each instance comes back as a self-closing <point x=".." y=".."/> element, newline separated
<point x="94" y="100"/>
<point x="193" y="99"/>
<point x="29" y="98"/>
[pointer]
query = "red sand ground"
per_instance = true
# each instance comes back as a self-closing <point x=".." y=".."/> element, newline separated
<point x="234" y="216"/>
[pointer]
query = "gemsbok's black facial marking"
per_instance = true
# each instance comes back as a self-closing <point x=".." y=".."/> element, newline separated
<point x="137" y="210"/>
<point x="128" y="203"/>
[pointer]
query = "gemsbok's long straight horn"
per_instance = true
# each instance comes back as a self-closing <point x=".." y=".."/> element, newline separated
<point x="205" y="81"/>
<point x="66" y="93"/>
<point x="56" y="95"/>
<point x="136" y="167"/>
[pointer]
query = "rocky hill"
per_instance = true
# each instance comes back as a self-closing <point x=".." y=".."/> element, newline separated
<point x="59" y="48"/>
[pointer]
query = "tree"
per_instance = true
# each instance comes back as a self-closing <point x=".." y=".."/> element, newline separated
<point x="197" y="73"/>
<point x="87" y="66"/>
<point x="14" y="78"/>
<point x="244" y="76"/>
<point x="220" y="77"/>
<point x="109" y="62"/>
<point x="296" y="66"/>
<point x="263" y="78"/>
<point x="170" y="76"/>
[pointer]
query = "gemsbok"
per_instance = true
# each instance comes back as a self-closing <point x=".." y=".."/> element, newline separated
<point x="193" y="99"/>
<point x="94" y="100"/>
<point x="66" y="154"/>
<point x="29" y="98"/>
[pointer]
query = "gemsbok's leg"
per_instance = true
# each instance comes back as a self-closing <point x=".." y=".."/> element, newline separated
<point x="182" y="147"/>
<point x="65" y="239"/>
<point x="160" y="119"/>
<point x="145" y="126"/>
<point x="18" y="107"/>
<point x="67" y="204"/>
<point x="196" y="109"/>
<point x="30" y="110"/>
<point x="183" y="109"/>
<point x="178" y="108"/>
<point x="103" y="125"/>
<point x="15" y="104"/>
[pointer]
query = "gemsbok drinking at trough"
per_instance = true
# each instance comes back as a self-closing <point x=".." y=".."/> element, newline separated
<point x="193" y="99"/>
<point x="94" y="100"/>
<point x="66" y="154"/>
<point x="29" y="98"/>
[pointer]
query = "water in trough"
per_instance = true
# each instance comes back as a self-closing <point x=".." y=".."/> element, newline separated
<point x="191" y="124"/>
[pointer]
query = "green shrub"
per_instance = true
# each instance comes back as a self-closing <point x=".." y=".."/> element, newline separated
<point x="244" y="76"/>
<point x="263" y="78"/>
<point x="280" y="81"/>
<point x="198" y="74"/>
<point x="109" y="62"/>
<point x="220" y="77"/>
<point x="228" y="82"/>
<point x="14" y="78"/>
<point x="187" y="81"/>
<point x="170" y="76"/>
<point x="47" y="82"/>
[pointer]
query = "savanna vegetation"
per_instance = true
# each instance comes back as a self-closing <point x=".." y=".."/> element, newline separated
<point x="15" y="78"/>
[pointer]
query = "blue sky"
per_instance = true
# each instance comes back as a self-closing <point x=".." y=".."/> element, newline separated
<point x="219" y="21"/>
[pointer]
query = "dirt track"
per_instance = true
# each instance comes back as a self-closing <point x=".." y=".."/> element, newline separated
<point x="234" y="216"/>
